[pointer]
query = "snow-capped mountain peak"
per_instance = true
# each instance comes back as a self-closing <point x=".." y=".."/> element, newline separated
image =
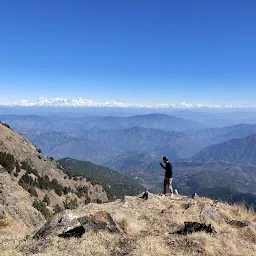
<point x="81" y="102"/>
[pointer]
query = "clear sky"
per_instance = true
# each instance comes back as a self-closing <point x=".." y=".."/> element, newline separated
<point x="141" y="51"/>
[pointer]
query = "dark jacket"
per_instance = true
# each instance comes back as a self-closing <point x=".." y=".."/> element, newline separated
<point x="168" y="170"/>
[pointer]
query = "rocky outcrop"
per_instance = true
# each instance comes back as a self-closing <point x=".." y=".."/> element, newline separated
<point x="191" y="227"/>
<point x="67" y="225"/>
<point x="98" y="221"/>
<point x="16" y="204"/>
<point x="146" y="224"/>
<point x="238" y="223"/>
<point x="23" y="150"/>
<point x="27" y="176"/>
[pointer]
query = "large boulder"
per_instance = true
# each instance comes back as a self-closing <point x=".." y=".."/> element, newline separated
<point x="60" y="223"/>
<point x="67" y="225"/>
<point x="98" y="221"/>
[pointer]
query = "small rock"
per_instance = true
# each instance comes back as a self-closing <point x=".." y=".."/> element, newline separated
<point x="238" y="223"/>
<point x="186" y="206"/>
<point x="191" y="227"/>
<point x="175" y="192"/>
<point x="195" y="195"/>
<point x="147" y="195"/>
<point x="2" y="213"/>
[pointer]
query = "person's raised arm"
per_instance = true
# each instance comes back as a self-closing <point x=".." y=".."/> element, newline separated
<point x="162" y="165"/>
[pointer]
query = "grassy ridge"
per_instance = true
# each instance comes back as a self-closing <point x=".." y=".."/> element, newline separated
<point x="115" y="184"/>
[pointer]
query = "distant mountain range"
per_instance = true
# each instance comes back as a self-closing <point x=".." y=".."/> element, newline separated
<point x="60" y="145"/>
<point x="236" y="150"/>
<point x="154" y="121"/>
<point x="78" y="125"/>
<point x="102" y="139"/>
<point x="81" y="102"/>
<point x="101" y="146"/>
<point x="216" y="135"/>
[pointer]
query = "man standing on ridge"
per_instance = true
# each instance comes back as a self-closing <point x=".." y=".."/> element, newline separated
<point x="168" y="174"/>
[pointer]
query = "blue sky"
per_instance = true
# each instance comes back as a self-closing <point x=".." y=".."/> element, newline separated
<point x="138" y="51"/>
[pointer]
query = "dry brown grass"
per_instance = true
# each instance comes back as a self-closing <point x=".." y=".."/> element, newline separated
<point x="3" y="222"/>
<point x="147" y="225"/>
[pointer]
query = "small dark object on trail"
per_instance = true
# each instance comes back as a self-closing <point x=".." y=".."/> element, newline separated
<point x="238" y="224"/>
<point x="75" y="232"/>
<point x="215" y="202"/>
<point x="195" y="195"/>
<point x="191" y="227"/>
<point x="187" y="206"/>
<point x="145" y="195"/>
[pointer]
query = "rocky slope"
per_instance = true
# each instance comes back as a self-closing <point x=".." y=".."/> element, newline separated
<point x="16" y="206"/>
<point x="27" y="177"/>
<point x="147" y="227"/>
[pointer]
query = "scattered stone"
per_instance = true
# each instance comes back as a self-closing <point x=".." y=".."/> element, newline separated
<point x="215" y="202"/>
<point x="144" y="196"/>
<point x="169" y="194"/>
<point x="195" y="195"/>
<point x="147" y="195"/>
<point x="186" y="206"/>
<point x="2" y="213"/>
<point x="238" y="223"/>
<point x="191" y="227"/>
